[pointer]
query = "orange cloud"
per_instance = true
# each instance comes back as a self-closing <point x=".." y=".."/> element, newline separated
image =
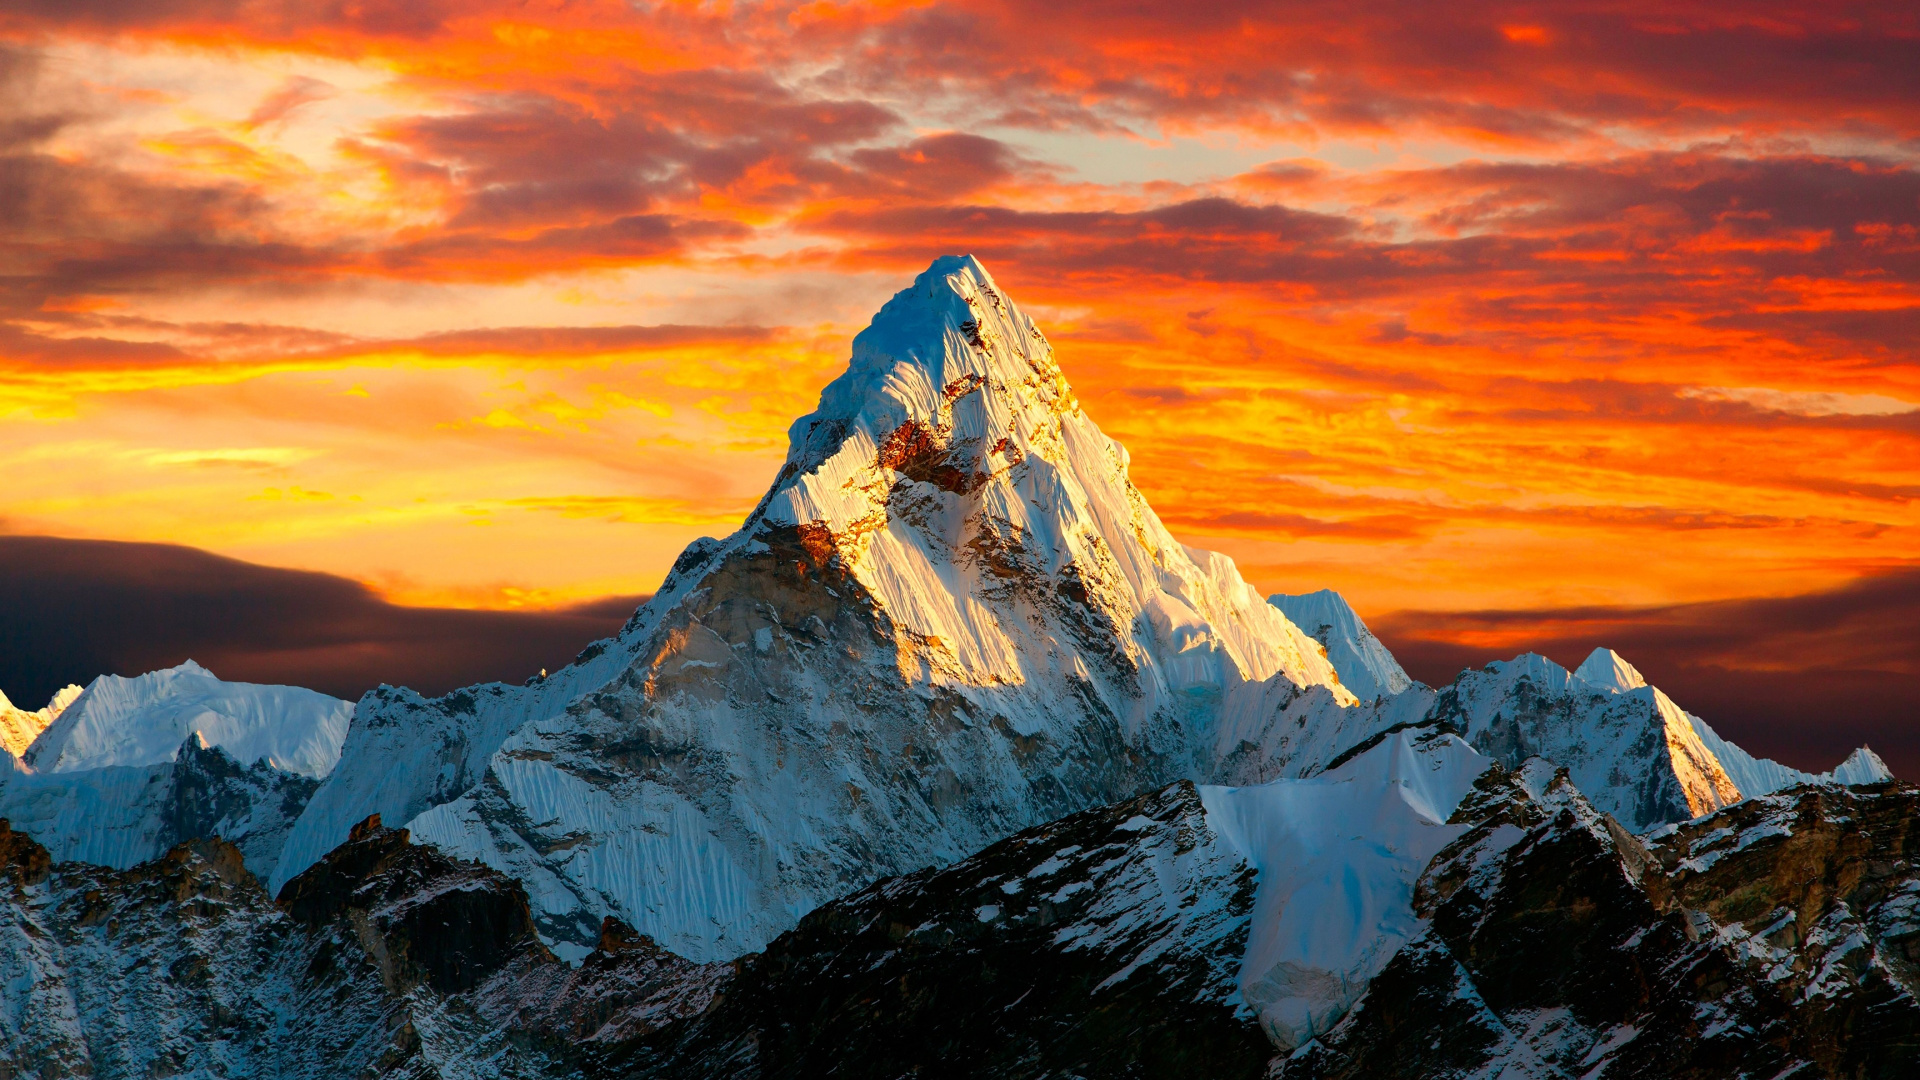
<point x="1509" y="307"/>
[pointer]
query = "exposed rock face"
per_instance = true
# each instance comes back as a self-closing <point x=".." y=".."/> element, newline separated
<point x="1817" y="891"/>
<point x="423" y="917"/>
<point x="1761" y="941"/>
<point x="183" y="966"/>
<point x="950" y="762"/>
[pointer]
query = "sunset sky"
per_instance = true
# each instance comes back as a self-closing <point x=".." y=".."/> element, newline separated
<point x="1594" y="322"/>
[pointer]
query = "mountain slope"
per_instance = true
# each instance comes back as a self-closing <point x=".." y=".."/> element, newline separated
<point x="19" y="727"/>
<point x="1364" y="664"/>
<point x="103" y="784"/>
<point x="1610" y="671"/>
<point x="951" y="617"/>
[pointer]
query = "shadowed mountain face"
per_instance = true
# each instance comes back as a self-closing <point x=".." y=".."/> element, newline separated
<point x="81" y="608"/>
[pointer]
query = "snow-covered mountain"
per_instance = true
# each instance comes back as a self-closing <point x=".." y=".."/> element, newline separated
<point x="1364" y="664"/>
<point x="133" y="766"/>
<point x="143" y="721"/>
<point x="1610" y="671"/>
<point x="1629" y="749"/>
<point x="951" y="617"/>
<point x="950" y="759"/>
<point x="19" y="727"/>
<point x="1635" y="754"/>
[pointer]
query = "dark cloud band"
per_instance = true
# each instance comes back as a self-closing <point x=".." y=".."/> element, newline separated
<point x="80" y="608"/>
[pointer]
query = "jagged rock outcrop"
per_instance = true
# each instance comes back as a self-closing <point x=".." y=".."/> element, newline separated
<point x="1817" y="891"/>
<point x="184" y="966"/>
<point x="1561" y="945"/>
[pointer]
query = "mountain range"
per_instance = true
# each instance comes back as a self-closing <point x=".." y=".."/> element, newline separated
<point x="950" y="761"/>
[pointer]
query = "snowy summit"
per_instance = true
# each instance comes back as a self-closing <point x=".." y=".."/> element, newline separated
<point x="1364" y="664"/>
<point x="143" y="721"/>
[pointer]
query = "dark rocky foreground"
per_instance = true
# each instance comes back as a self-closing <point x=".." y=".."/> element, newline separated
<point x="1780" y="937"/>
<point x="1773" y="939"/>
<point x="1105" y="944"/>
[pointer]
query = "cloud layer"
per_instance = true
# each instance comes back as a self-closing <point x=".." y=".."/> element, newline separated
<point x="1527" y="307"/>
<point x="103" y="607"/>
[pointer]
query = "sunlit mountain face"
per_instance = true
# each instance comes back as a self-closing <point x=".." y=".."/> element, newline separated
<point x="1598" y="323"/>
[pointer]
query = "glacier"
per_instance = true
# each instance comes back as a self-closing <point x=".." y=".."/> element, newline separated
<point x="1338" y="856"/>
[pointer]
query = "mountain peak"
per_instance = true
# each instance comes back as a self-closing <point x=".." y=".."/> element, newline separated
<point x="1364" y="663"/>
<point x="953" y="616"/>
<point x="1608" y="670"/>
<point x="951" y="458"/>
<point x="143" y="720"/>
<point x="950" y="384"/>
<point x="1863" y="766"/>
